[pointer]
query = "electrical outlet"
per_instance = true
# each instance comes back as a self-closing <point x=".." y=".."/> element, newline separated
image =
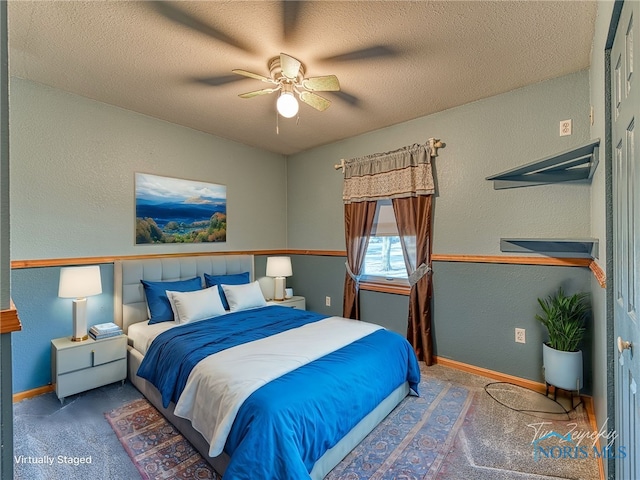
<point x="520" y="335"/>
<point x="565" y="128"/>
<point x="327" y="301"/>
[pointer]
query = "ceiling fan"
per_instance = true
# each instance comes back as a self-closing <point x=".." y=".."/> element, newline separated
<point x="287" y="77"/>
<point x="286" y="73"/>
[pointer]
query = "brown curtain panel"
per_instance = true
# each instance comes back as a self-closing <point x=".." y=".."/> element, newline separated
<point x="358" y="221"/>
<point x="413" y="217"/>
<point x="405" y="176"/>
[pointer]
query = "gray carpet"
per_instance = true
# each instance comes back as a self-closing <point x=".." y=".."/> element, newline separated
<point x="494" y="442"/>
<point x="45" y="430"/>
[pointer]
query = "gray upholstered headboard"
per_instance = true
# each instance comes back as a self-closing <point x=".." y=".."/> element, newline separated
<point x="130" y="305"/>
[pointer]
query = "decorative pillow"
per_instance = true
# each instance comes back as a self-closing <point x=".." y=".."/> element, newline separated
<point x="157" y="301"/>
<point x="242" y="297"/>
<point x="196" y="305"/>
<point x="173" y="306"/>
<point x="233" y="279"/>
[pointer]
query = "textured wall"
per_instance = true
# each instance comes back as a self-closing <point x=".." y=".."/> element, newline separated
<point x="59" y="136"/>
<point x="316" y="278"/>
<point x="483" y="138"/>
<point x="72" y="177"/>
<point x="72" y="195"/>
<point x="476" y="306"/>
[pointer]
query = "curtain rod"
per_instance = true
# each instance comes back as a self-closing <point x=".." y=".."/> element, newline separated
<point x="434" y="145"/>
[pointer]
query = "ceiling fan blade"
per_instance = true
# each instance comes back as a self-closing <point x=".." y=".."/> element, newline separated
<point x="375" y="51"/>
<point x="253" y="75"/>
<point x="176" y="15"/>
<point x="347" y="98"/>
<point x="256" y="93"/>
<point x="316" y="101"/>
<point x="326" y="83"/>
<point x="218" y="81"/>
<point x="290" y="15"/>
<point x="289" y="65"/>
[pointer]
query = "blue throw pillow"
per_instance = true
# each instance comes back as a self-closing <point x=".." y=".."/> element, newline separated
<point x="234" y="279"/>
<point x="156" y="293"/>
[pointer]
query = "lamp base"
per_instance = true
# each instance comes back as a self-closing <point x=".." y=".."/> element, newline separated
<point x="79" y="320"/>
<point x="278" y="288"/>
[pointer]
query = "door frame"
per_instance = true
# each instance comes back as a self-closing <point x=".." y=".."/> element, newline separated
<point x="612" y="351"/>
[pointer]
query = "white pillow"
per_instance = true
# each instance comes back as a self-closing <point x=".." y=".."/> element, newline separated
<point x="171" y="303"/>
<point x="242" y="297"/>
<point x="197" y="305"/>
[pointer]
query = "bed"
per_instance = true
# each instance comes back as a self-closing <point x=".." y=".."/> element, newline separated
<point x="306" y="385"/>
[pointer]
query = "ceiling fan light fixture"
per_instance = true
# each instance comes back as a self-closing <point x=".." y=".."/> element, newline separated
<point x="287" y="74"/>
<point x="287" y="105"/>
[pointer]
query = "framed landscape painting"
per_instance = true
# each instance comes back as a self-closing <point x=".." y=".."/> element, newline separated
<point x="172" y="210"/>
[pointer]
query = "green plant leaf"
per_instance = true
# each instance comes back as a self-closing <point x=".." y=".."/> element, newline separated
<point x="564" y="318"/>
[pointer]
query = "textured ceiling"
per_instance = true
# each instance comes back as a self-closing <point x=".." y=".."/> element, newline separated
<point x="395" y="60"/>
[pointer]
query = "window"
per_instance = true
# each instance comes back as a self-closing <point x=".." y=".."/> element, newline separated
<point x="384" y="260"/>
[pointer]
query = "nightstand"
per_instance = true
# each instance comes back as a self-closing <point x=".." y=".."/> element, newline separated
<point x="80" y="366"/>
<point x="293" y="302"/>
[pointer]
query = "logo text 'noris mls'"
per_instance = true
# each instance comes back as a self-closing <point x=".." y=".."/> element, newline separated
<point x="569" y="445"/>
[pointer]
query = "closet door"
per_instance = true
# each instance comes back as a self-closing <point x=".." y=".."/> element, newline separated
<point x="625" y="104"/>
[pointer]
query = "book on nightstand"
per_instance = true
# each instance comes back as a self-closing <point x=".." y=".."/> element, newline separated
<point x="105" y="330"/>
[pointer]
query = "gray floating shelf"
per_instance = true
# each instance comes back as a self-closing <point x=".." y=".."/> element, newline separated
<point x="579" y="163"/>
<point x="557" y="247"/>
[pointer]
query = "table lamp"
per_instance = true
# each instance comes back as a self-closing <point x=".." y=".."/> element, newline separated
<point x="279" y="268"/>
<point x="79" y="283"/>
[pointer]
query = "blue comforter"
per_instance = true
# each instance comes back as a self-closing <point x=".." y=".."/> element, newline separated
<point x="173" y="354"/>
<point x="284" y="427"/>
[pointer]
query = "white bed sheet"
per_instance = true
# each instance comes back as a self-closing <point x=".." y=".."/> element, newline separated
<point x="141" y="334"/>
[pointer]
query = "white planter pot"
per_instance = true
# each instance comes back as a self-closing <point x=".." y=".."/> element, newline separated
<point x="562" y="369"/>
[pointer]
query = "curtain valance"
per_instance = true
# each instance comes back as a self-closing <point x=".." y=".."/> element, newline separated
<point x="405" y="172"/>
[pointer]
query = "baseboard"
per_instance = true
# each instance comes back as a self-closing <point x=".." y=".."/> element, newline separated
<point x="18" y="397"/>
<point x="501" y="377"/>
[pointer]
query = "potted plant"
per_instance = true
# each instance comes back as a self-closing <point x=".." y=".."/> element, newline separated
<point x="564" y="318"/>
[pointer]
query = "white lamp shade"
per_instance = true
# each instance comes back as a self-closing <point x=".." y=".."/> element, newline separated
<point x="79" y="282"/>
<point x="279" y="267"/>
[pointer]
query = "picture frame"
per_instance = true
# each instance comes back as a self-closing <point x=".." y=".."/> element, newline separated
<point x="175" y="210"/>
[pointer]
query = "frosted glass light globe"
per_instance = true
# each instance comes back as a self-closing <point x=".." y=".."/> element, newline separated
<point x="287" y="105"/>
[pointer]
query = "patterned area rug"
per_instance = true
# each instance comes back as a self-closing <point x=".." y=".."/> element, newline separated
<point x="413" y="440"/>
<point x="410" y="443"/>
<point x="157" y="449"/>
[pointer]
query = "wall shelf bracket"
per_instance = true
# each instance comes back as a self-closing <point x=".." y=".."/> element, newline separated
<point x="578" y="163"/>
